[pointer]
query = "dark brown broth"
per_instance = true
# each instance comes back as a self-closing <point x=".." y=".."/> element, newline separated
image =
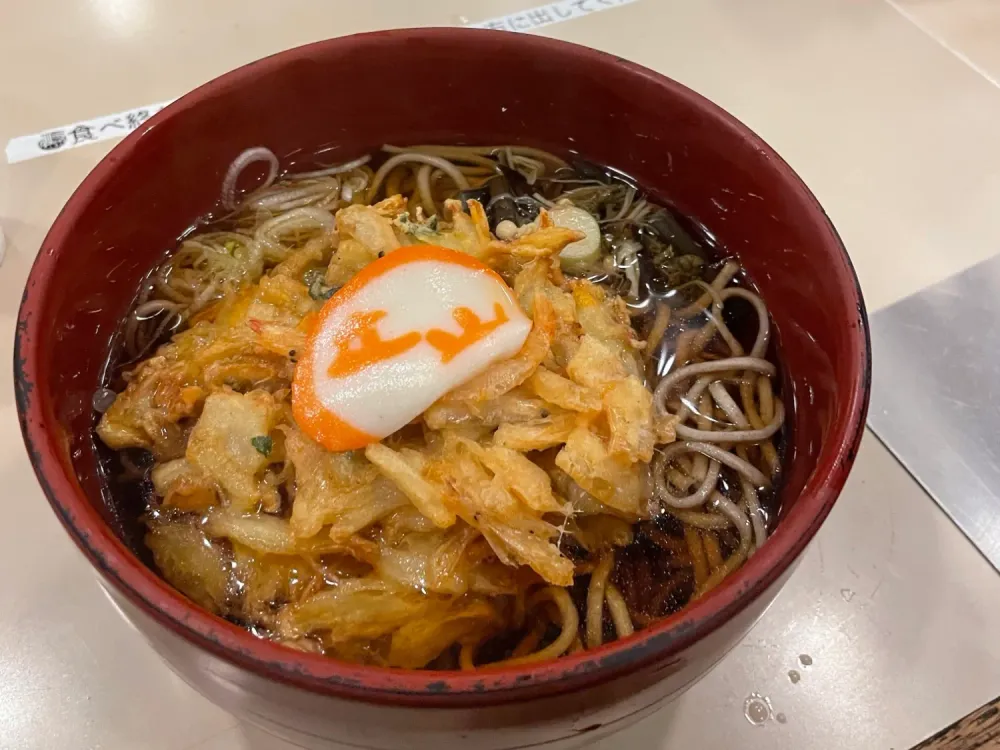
<point x="649" y="572"/>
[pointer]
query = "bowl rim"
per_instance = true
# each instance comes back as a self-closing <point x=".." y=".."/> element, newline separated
<point x="489" y="685"/>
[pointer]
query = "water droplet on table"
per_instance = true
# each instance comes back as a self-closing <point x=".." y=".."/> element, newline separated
<point x="781" y="718"/>
<point x="805" y="660"/>
<point x="847" y="594"/>
<point x="794" y="676"/>
<point x="757" y="709"/>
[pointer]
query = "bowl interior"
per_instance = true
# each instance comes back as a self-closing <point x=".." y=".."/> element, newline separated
<point x="346" y="98"/>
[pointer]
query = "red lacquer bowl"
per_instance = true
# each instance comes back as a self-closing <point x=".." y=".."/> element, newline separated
<point x="438" y="86"/>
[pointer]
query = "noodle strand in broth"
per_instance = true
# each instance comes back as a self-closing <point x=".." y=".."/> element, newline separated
<point x="589" y="487"/>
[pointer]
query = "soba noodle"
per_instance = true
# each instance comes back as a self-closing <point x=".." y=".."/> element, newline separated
<point x="697" y="342"/>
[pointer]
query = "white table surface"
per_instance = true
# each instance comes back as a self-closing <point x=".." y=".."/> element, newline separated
<point x="890" y="112"/>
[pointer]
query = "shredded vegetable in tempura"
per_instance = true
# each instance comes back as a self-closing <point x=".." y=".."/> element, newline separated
<point x="552" y="465"/>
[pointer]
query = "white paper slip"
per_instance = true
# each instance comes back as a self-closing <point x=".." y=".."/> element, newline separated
<point x="98" y="129"/>
<point x="81" y="133"/>
<point x="546" y="15"/>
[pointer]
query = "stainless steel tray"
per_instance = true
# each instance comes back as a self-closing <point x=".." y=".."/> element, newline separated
<point x="936" y="396"/>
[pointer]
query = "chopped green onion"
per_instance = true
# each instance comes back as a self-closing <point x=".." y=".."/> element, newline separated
<point x="409" y="226"/>
<point x="318" y="289"/>
<point x="263" y="444"/>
